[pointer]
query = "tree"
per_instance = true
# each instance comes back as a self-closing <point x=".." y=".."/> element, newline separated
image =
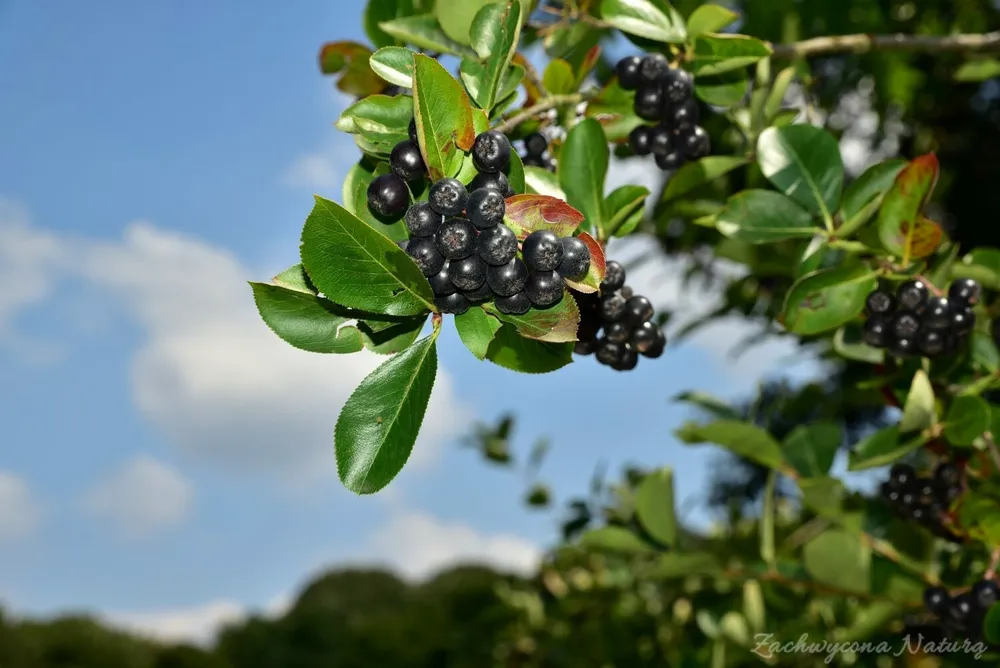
<point x="872" y="267"/>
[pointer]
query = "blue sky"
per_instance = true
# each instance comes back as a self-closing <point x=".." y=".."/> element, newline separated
<point x="164" y="459"/>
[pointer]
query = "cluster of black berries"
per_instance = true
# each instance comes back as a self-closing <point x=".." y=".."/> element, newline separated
<point x="963" y="614"/>
<point x="388" y="195"/>
<point x="911" y="322"/>
<point x="663" y="95"/>
<point x="459" y="241"/>
<point x="536" y="152"/>
<point x="923" y="499"/>
<point x="616" y="325"/>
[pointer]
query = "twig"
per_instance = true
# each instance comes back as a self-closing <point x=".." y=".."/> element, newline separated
<point x="994" y="562"/>
<point x="548" y="103"/>
<point x="991" y="446"/>
<point x="971" y="43"/>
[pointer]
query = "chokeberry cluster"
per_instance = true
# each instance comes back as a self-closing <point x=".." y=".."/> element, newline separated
<point x="617" y="325"/>
<point x="388" y="195"/>
<point x="460" y="242"/>
<point x="664" y="96"/>
<point x="964" y="613"/>
<point x="926" y="499"/>
<point x="536" y="153"/>
<point x="911" y="322"/>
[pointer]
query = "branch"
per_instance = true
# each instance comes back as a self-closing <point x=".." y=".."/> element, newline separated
<point x="548" y="103"/>
<point x="976" y="43"/>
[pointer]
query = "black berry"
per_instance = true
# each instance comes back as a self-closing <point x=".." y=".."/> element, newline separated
<point x="902" y="475"/>
<point x="947" y="473"/>
<point x="612" y="307"/>
<point x="905" y="324"/>
<point x="422" y="221"/>
<point x="406" y="161"/>
<point x="486" y="208"/>
<point x="388" y="196"/>
<point x="517" y="304"/>
<point x="936" y="314"/>
<point x="963" y="320"/>
<point x="695" y="143"/>
<point x="468" y="273"/>
<point x="628" y="360"/>
<point x="480" y="294"/>
<point x="413" y="130"/>
<point x="509" y="279"/>
<point x="497" y="245"/>
<point x="454" y="303"/>
<point x="653" y="67"/>
<point x="671" y="161"/>
<point x="544" y="288"/>
<point x="648" y="102"/>
<point x="638" y="310"/>
<point x="542" y="251"/>
<point x="576" y="259"/>
<point x="609" y="353"/>
<point x="456" y="239"/>
<point x="494" y="181"/>
<point x="644" y="336"/>
<point x="683" y="117"/>
<point x="961" y="609"/>
<point x="614" y="277"/>
<point x="584" y="347"/>
<point x="618" y="332"/>
<point x="640" y="140"/>
<point x="448" y="197"/>
<point x="876" y="332"/>
<point x="658" y="346"/>
<point x="425" y="253"/>
<point x="678" y="86"/>
<point x="536" y="144"/>
<point x="985" y="593"/>
<point x="912" y="295"/>
<point x="661" y="140"/>
<point x="902" y="348"/>
<point x="491" y="152"/>
<point x="441" y="281"/>
<point x="931" y="343"/>
<point x="965" y="291"/>
<point x="627" y="71"/>
<point x="880" y="302"/>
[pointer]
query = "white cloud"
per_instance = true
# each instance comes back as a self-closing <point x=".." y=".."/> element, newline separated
<point x="317" y="172"/>
<point x="20" y="512"/>
<point x="198" y="624"/>
<point x="142" y="498"/>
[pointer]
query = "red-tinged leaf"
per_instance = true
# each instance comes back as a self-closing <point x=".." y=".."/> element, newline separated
<point x="530" y="88"/>
<point x="530" y="213"/>
<point x="443" y="117"/>
<point x="902" y="229"/>
<point x="598" y="267"/>
<point x="350" y="60"/>
<point x="588" y="64"/>
<point x="557" y="324"/>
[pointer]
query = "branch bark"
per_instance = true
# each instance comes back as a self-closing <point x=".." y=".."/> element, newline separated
<point x="817" y="46"/>
<point x="543" y="105"/>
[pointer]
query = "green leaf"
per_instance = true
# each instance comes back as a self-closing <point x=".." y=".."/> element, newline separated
<point x="306" y="321"/>
<point x="423" y="31"/>
<point x="559" y="78"/>
<point x="981" y="69"/>
<point x="477" y="328"/>
<point x="681" y="565"/>
<point x="512" y="351"/>
<point x="881" y="448"/>
<point x="715" y="54"/>
<point x="712" y="405"/>
<point x="859" y="352"/>
<point x="967" y="419"/>
<point x="823" y="495"/>
<point x="541" y="181"/>
<point x="615" y="539"/>
<point x="295" y="278"/>
<point x="390" y="340"/>
<point x="443" y="118"/>
<point x="776" y="96"/>
<point x="591" y="283"/>
<point x="839" y="559"/>
<point x="394" y="64"/>
<point x="381" y="120"/>
<point x="654" y="506"/>
<point x="828" y="299"/>
<point x="764" y="216"/>
<point x="709" y="18"/>
<point x="983" y="265"/>
<point x="457" y="17"/>
<point x="480" y="124"/>
<point x="350" y="61"/>
<point x="991" y="626"/>
<point x="357" y="267"/>
<point x="583" y="165"/>
<point x="741" y="438"/>
<point x="379" y="423"/>
<point x="724" y="90"/>
<point x="358" y="179"/>
<point x="919" y="411"/>
<point x="515" y="173"/>
<point x="376" y="12"/>
<point x="557" y="324"/>
<point x="984" y="352"/>
<point x="698" y="173"/>
<point x="644" y="18"/>
<point x="530" y="213"/>
<point x="812" y="448"/>
<point x="495" y="31"/>
<point x="901" y="228"/>
<point x="625" y="207"/>
<point x="803" y="162"/>
<point x="868" y="188"/>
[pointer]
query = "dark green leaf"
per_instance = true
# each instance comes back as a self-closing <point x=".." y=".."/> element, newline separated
<point x="839" y="559"/>
<point x="698" y="173"/>
<point x="305" y="321"/>
<point x="358" y="179"/>
<point x="967" y="419"/>
<point x="983" y="265"/>
<point x="978" y="70"/>
<point x="457" y="16"/>
<point x="395" y="65"/>
<point x="376" y="12"/>
<point x="804" y="162"/>
<point x="776" y="96"/>
<point x="423" y="31"/>
<point x="515" y="173"/>
<point x="652" y="19"/>
<point x="392" y="339"/>
<point x="379" y="423"/>
<point x="812" y="448"/>
<point x="477" y="328"/>
<point x="741" y="438"/>
<point x="557" y="324"/>
<point x="443" y="117"/>
<point x="583" y="165"/>
<point x="827" y="299"/>
<point x="984" y="352"/>
<point x="881" y="448"/>
<point x="901" y="227"/>
<point x="823" y="495"/>
<point x="615" y="539"/>
<point x="512" y="351"/>
<point x="495" y="31"/>
<point x="919" y="411"/>
<point x="859" y="351"/>
<point x="764" y="216"/>
<point x="724" y="90"/>
<point x="682" y="565"/>
<point x="709" y="18"/>
<point x="654" y="506"/>
<point x="559" y="78"/>
<point x="869" y="187"/>
<point x="625" y="207"/>
<point x="381" y="120"/>
<point x="715" y="54"/>
<point x="991" y="627"/>
<point x="295" y="278"/>
<point x="357" y="267"/>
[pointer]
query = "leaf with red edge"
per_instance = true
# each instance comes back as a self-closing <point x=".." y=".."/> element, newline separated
<point x="588" y="64"/>
<point x="530" y="213"/>
<point x="557" y="324"/>
<point x="902" y="229"/>
<point x="443" y="117"/>
<point x="598" y="267"/>
<point x="350" y="60"/>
